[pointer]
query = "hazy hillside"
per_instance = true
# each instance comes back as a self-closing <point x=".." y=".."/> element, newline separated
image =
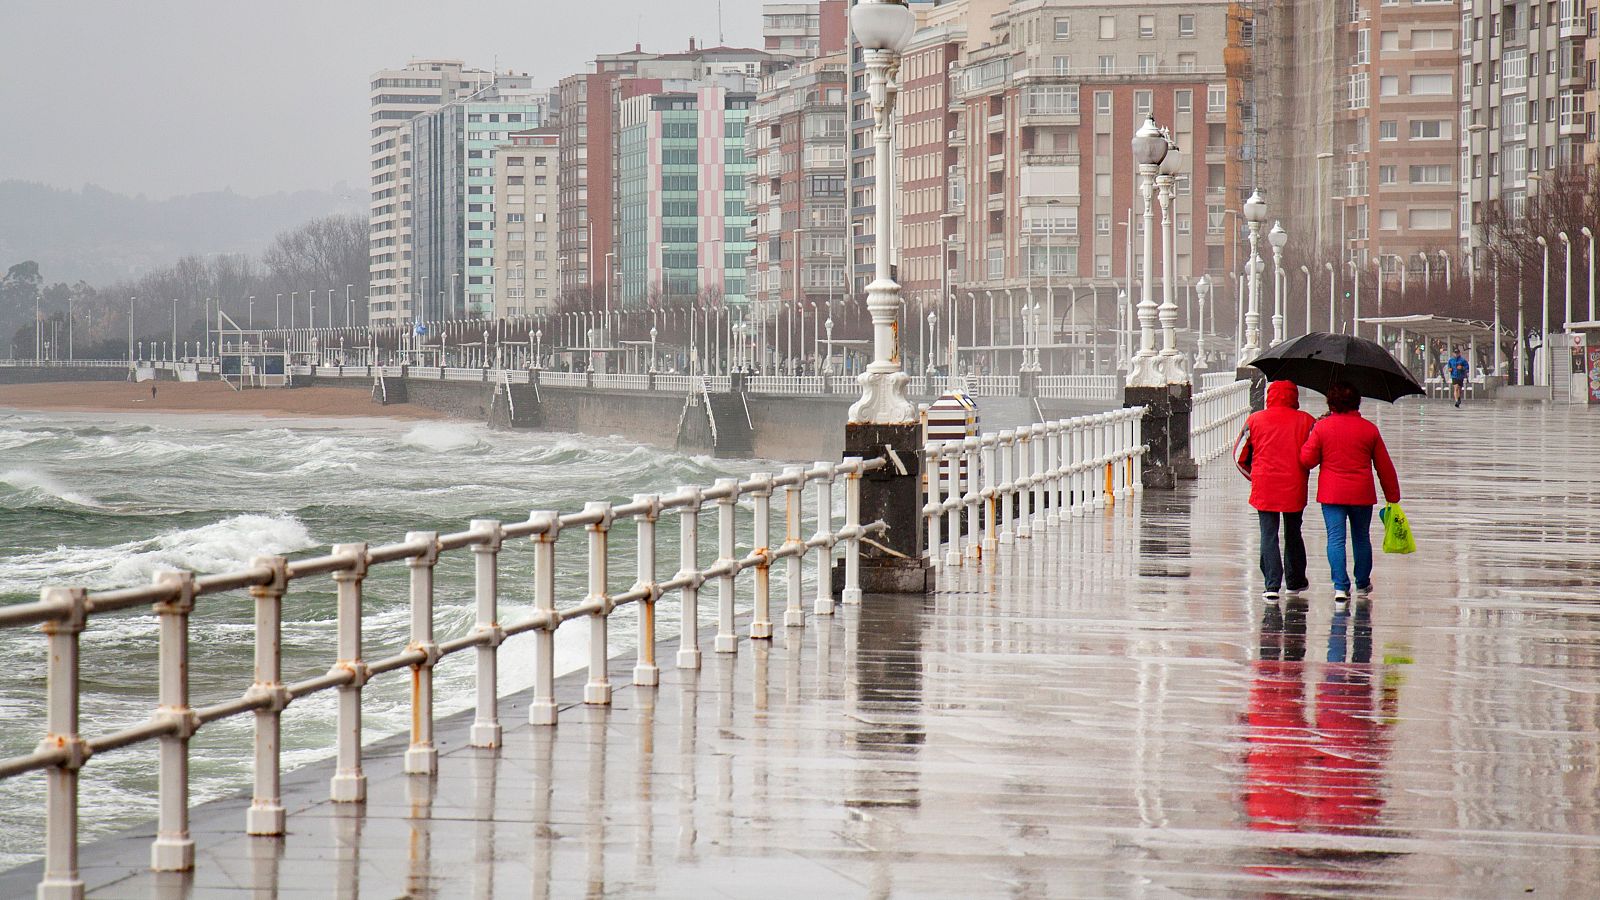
<point x="100" y="236"/>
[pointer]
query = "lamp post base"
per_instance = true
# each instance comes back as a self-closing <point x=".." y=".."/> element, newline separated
<point x="1180" y="399"/>
<point x="1258" y="386"/>
<point x="1157" y="468"/>
<point x="894" y="562"/>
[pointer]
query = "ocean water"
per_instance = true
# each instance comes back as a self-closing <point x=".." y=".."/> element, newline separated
<point x="108" y="501"/>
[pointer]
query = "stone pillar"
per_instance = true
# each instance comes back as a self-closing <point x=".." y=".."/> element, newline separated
<point x="736" y="382"/>
<point x="1028" y="383"/>
<point x="1258" y="386"/>
<point x="894" y="495"/>
<point x="1180" y="400"/>
<point x="1157" y="401"/>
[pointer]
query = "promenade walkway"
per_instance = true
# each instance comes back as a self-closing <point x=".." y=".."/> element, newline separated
<point x="1110" y="710"/>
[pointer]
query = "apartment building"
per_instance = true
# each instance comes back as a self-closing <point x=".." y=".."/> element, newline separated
<point x="525" y="252"/>
<point x="805" y="30"/>
<point x="588" y="230"/>
<point x="1529" y="102"/>
<point x="682" y="174"/>
<point x="453" y="194"/>
<point x="1046" y="117"/>
<point x="796" y="197"/>
<point x="396" y="96"/>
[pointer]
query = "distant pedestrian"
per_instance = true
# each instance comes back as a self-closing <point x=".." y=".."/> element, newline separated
<point x="1348" y="448"/>
<point x="1459" y="369"/>
<point x="1278" y="486"/>
<point x="152" y="391"/>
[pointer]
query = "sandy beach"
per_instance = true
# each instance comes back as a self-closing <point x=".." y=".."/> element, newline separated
<point x="202" y="397"/>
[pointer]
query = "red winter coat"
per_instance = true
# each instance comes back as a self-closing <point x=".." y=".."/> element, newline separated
<point x="1348" y="448"/>
<point x="1277" y="479"/>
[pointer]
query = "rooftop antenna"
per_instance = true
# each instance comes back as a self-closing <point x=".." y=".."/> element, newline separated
<point x="721" y="41"/>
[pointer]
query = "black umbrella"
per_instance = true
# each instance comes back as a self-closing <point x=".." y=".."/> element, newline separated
<point x="1319" y="359"/>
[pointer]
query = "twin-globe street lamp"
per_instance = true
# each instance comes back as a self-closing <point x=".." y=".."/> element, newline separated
<point x="1278" y="237"/>
<point x="1159" y="162"/>
<point x="883" y="28"/>
<point x="1255" y="215"/>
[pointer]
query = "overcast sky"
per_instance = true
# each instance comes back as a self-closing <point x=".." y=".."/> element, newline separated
<point x="168" y="97"/>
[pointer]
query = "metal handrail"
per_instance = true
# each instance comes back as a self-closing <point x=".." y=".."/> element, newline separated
<point x="1215" y="417"/>
<point x="1010" y="485"/>
<point x="64" y="612"/>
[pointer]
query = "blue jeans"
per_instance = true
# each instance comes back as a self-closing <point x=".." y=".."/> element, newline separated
<point x="1293" y="552"/>
<point x="1334" y="516"/>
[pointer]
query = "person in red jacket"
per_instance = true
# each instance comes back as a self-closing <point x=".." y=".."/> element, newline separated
<point x="1278" y="485"/>
<point x="1348" y="448"/>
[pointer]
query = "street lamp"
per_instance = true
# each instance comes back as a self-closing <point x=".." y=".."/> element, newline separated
<point x="1542" y="377"/>
<point x="1566" y="243"/>
<point x="1202" y="290"/>
<point x="1306" y="271"/>
<point x="1255" y="213"/>
<point x="883" y="29"/>
<point x="1277" y="237"/>
<point x="1150" y="147"/>
<point x="1590" y="235"/>
<point x="1355" y="309"/>
<point x="1172" y="361"/>
<point x="652" y="349"/>
<point x="1333" y="299"/>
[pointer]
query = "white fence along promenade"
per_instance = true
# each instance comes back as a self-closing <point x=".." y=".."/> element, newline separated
<point x="1215" y="419"/>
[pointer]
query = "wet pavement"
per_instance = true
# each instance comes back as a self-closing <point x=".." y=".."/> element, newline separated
<point x="1112" y="711"/>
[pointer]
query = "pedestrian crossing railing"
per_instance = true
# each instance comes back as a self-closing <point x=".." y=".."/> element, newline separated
<point x="1002" y="487"/>
<point x="1211" y="380"/>
<point x="744" y="518"/>
<point x="1080" y="387"/>
<point x="1215" y="419"/>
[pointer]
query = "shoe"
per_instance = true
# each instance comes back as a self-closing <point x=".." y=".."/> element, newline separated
<point x="1271" y="596"/>
<point x="1458" y="404"/>
<point x="1293" y="592"/>
<point x="1341" y="596"/>
<point x="1364" y="593"/>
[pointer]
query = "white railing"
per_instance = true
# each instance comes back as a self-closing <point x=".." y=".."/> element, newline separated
<point x="1010" y="485"/>
<point x="66" y="363"/>
<point x="1212" y="380"/>
<point x="564" y="379"/>
<point x="1080" y="387"/>
<point x="787" y="384"/>
<point x="623" y="382"/>
<point x="1215" y="419"/>
<point x="679" y="383"/>
<point x="718" y="384"/>
<point x="994" y="385"/>
<point x="459" y="374"/>
<point x="64" y="612"/>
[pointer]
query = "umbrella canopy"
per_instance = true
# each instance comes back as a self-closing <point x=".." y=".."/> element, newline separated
<point x="1319" y="359"/>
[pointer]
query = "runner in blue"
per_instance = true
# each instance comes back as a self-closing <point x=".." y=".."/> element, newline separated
<point x="1459" y="367"/>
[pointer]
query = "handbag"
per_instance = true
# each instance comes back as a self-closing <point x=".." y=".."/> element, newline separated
<point x="1244" y="452"/>
<point x="1397" y="536"/>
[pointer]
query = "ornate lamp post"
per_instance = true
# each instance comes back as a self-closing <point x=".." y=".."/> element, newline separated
<point x="1149" y="149"/>
<point x="1173" y="364"/>
<point x="883" y="28"/>
<point x="1202" y="290"/>
<point x="652" y="349"/>
<point x="1255" y="213"/>
<point x="1277" y="237"/>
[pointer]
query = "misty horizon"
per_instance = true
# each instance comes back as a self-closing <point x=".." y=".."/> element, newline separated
<point x="263" y="121"/>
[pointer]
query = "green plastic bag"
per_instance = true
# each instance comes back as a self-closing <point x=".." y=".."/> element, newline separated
<point x="1397" y="536"/>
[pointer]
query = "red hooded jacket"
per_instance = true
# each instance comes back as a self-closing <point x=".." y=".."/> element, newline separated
<point x="1277" y="478"/>
<point x="1348" y="448"/>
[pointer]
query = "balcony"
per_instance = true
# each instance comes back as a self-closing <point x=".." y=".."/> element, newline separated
<point x="1216" y="153"/>
<point x="996" y="123"/>
<point x="956" y="138"/>
<point x="997" y="203"/>
<point x="997" y="162"/>
<point x="1041" y="158"/>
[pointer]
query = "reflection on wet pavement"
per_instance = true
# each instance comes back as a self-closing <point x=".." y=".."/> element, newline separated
<point x="1111" y="712"/>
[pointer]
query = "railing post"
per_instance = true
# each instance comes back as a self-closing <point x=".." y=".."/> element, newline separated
<point x="727" y="641"/>
<point x="991" y="500"/>
<point x="1024" y="481"/>
<point x="1055" y="438"/>
<point x="349" y="783"/>
<point x="598" y="691"/>
<point x="422" y="758"/>
<point x="1043" y="477"/>
<point x="61" y="880"/>
<point x="1008" y="461"/>
<point x="265" y="816"/>
<point x="1136" y="445"/>
<point x="793" y="615"/>
<point x="1103" y="475"/>
<point x="1078" y="479"/>
<point x="958" y="465"/>
<point x="689" y="568"/>
<point x="486" y="731"/>
<point x="972" y="500"/>
<point x="173" y="850"/>
<point x="761" y="612"/>
<point x="852" y="522"/>
<point x="542" y="709"/>
<point x="931" y="509"/>
<point x="824" y="535"/>
<point x="645" y="671"/>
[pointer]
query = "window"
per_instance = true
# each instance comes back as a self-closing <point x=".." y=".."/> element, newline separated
<point x="1387" y="174"/>
<point x="1063" y="28"/>
<point x="1186" y="25"/>
<point x="1432" y="39"/>
<point x="1429" y="219"/>
<point x="1142" y="101"/>
<point x="1388" y="131"/>
<point x="1430" y="129"/>
<point x="1432" y="84"/>
<point x="1389" y="42"/>
<point x="1183" y="102"/>
<point x="1388" y="220"/>
<point x="1217" y="98"/>
<point x="1102" y="266"/>
<point x="1147" y="26"/>
<point x="1102" y="184"/>
<point x="1186" y="62"/>
<point x="1102" y="103"/>
<point x="1102" y="223"/>
<point x="1108" y="64"/>
<point x="1108" y="28"/>
<point x="1430" y="174"/>
<point x="1147" y="64"/>
<point x="1389" y="85"/>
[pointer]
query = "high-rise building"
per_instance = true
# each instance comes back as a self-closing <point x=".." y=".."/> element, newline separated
<point x="589" y="231"/>
<point x="1048" y="187"/>
<point x="682" y="200"/>
<point x="397" y="95"/>
<point x="453" y="194"/>
<point x="1529" y="115"/>
<point x="805" y="30"/>
<point x="796" y="144"/>
<point x="526" y="260"/>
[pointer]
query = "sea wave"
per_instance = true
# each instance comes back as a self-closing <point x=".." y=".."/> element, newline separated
<point x="21" y="488"/>
<point x="441" y="438"/>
